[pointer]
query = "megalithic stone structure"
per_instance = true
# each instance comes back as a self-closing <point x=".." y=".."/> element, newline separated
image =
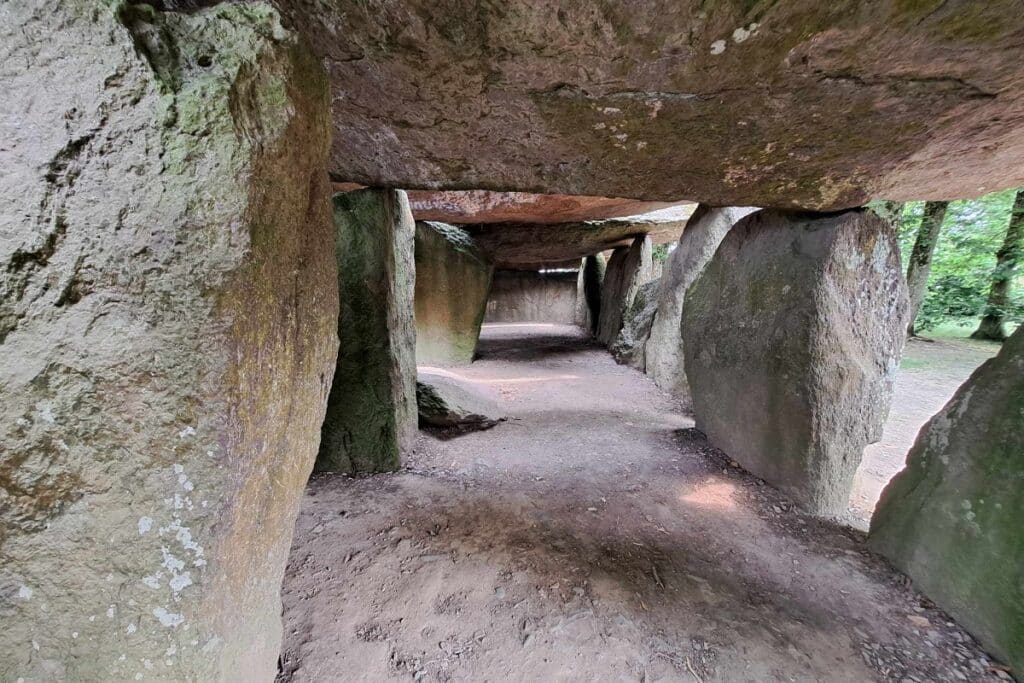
<point x="791" y="338"/>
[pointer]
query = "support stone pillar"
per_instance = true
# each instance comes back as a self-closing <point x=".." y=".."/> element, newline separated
<point x="663" y="357"/>
<point x="628" y="268"/>
<point x="453" y="281"/>
<point x="371" y="411"/>
<point x="588" y="292"/>
<point x="168" y="316"/>
<point x="952" y="519"/>
<point x="791" y="337"/>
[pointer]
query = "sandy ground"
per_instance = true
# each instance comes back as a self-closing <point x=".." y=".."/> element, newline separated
<point x="930" y="374"/>
<point x="594" y="536"/>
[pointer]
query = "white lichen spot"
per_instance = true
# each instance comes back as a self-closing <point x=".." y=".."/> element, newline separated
<point x="130" y="629"/>
<point x="147" y="664"/>
<point x="145" y="524"/>
<point x="168" y="619"/>
<point x="171" y="651"/>
<point x="92" y="617"/>
<point x="138" y="676"/>
<point x="610" y="111"/>
<point x="718" y="47"/>
<point x="170" y="561"/>
<point x="74" y="634"/>
<point x="22" y="422"/>
<point x="45" y="410"/>
<point x="656" y="106"/>
<point x="180" y="582"/>
<point x="35" y="646"/>
<point x="153" y="581"/>
<point x="599" y="126"/>
<point x="621" y="137"/>
<point x="24" y="592"/>
<point x="641" y="144"/>
<point x="122" y="657"/>
<point x="110" y="612"/>
<point x="741" y="34"/>
<point x="188" y="431"/>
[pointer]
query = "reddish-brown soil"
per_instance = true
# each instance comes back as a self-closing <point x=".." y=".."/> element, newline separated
<point x="594" y="536"/>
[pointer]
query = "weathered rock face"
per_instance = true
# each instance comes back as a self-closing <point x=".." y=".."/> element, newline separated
<point x="627" y="270"/>
<point x="453" y="280"/>
<point x="952" y="519"/>
<point x="481" y="206"/>
<point x="168" y="305"/>
<point x="589" y="280"/>
<point x="532" y="296"/>
<point x="371" y="411"/>
<point x="791" y="337"/>
<point x="663" y="350"/>
<point x="531" y="246"/>
<point x="790" y="103"/>
<point x="446" y="403"/>
<point x="628" y="347"/>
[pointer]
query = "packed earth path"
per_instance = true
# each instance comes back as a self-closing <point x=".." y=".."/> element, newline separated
<point x="592" y="536"/>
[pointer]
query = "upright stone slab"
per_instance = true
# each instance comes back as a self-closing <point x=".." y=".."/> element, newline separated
<point x="628" y="347"/>
<point x="628" y="268"/>
<point x="953" y="518"/>
<point x="663" y="349"/>
<point x="588" y="291"/>
<point x="371" y="411"/>
<point x="168" y="316"/>
<point x="453" y="280"/>
<point x="791" y="337"/>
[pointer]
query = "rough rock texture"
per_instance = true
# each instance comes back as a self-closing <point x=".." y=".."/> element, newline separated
<point x="371" y="411"/>
<point x="453" y="280"/>
<point x="629" y="346"/>
<point x="794" y="102"/>
<point x="663" y="351"/>
<point x="628" y="268"/>
<point x="532" y="296"/>
<point x="483" y="206"/>
<point x="448" y="403"/>
<point x="168" y="299"/>
<point x="530" y="246"/>
<point x="589" y="280"/>
<point x="791" y="337"/>
<point x="952" y="519"/>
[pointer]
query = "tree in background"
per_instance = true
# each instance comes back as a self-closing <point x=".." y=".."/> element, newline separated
<point x="962" y="267"/>
<point x="993" y="322"/>
<point x="920" y="263"/>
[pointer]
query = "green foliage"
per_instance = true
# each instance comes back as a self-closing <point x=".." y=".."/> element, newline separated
<point x="660" y="253"/>
<point x="965" y="258"/>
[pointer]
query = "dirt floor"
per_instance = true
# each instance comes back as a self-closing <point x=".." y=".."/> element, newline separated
<point x="594" y="536"/>
<point x="931" y="372"/>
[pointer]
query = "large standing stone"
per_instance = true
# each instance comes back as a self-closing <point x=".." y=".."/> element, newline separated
<point x="532" y="296"/>
<point x="628" y="347"/>
<point x="663" y="350"/>
<point x="791" y="338"/>
<point x="589" y="281"/>
<point x="453" y="280"/>
<point x="371" y="411"/>
<point x="445" y="402"/>
<point x="952" y="519"/>
<point x="168" y="312"/>
<point x="628" y="268"/>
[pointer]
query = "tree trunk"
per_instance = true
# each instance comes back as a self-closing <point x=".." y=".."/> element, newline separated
<point x="993" y="323"/>
<point x="921" y="257"/>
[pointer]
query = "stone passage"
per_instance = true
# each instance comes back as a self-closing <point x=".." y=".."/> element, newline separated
<point x="952" y="519"/>
<point x="663" y="350"/>
<point x="532" y="296"/>
<point x="628" y="268"/>
<point x="453" y="280"/>
<point x="791" y="338"/>
<point x="168" y="312"/>
<point x="371" y="412"/>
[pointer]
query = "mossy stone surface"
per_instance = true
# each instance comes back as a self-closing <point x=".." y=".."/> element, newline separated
<point x="371" y="412"/>
<point x="453" y="281"/>
<point x="952" y="520"/>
